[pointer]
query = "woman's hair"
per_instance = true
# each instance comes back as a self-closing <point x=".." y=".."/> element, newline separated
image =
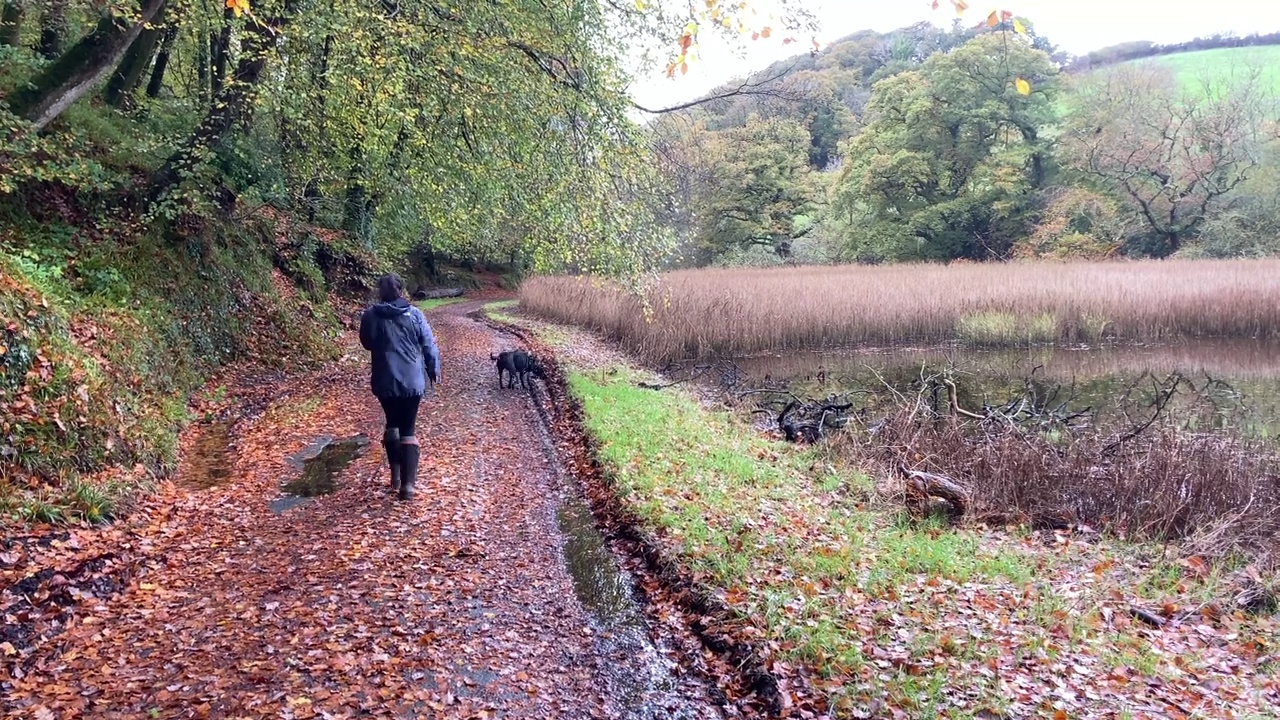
<point x="389" y="287"/>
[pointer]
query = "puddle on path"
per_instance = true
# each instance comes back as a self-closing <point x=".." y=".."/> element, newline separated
<point x="320" y="462"/>
<point x="208" y="464"/>
<point x="642" y="679"/>
<point x="597" y="580"/>
<point x="641" y="675"/>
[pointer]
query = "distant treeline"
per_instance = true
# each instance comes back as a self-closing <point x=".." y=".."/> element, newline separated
<point x="1125" y="52"/>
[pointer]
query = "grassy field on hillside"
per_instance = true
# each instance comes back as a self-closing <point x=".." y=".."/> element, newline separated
<point x="1193" y="67"/>
<point x="743" y="311"/>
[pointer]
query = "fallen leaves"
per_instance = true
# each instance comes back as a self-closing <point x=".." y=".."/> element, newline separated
<point x="457" y="603"/>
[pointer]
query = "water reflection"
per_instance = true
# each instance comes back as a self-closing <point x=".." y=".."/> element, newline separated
<point x="1229" y="384"/>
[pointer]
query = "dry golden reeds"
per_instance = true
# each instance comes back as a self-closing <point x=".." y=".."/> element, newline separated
<point x="744" y="311"/>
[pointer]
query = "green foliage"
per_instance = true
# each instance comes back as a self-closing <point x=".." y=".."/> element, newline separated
<point x="497" y="129"/>
<point x="763" y="186"/>
<point x="105" y="341"/>
<point x="947" y="163"/>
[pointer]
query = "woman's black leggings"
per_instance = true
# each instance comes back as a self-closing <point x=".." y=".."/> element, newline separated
<point x="401" y="412"/>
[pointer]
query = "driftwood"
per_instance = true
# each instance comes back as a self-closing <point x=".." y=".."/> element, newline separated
<point x="423" y="294"/>
<point x="922" y="485"/>
<point x="807" y="421"/>
<point x="1151" y="619"/>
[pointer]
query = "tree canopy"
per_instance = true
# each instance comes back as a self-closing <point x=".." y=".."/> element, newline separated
<point x="497" y="127"/>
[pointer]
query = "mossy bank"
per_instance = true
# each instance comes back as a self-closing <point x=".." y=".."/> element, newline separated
<point x="108" y="333"/>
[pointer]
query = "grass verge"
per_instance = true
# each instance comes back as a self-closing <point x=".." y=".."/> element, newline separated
<point x="425" y="305"/>
<point x="859" y="612"/>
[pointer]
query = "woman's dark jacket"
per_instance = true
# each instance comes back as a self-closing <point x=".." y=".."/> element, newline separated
<point x="404" y="350"/>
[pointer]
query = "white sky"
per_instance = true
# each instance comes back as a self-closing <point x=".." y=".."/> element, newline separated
<point x="1075" y="26"/>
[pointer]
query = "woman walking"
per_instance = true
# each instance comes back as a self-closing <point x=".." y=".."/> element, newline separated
<point x="404" y="357"/>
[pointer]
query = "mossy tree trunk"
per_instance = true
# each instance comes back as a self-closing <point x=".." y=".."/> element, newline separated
<point x="162" y="61"/>
<point x="53" y="28"/>
<point x="202" y="67"/>
<point x="358" y="208"/>
<point x="80" y="68"/>
<point x="220" y="51"/>
<point x="11" y="22"/>
<point x="133" y="66"/>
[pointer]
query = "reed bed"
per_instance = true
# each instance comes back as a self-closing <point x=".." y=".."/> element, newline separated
<point x="699" y="313"/>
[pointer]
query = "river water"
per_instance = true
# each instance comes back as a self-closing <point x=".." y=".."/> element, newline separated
<point x="1228" y="384"/>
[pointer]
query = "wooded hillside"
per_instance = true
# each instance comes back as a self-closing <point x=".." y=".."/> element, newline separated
<point x="977" y="143"/>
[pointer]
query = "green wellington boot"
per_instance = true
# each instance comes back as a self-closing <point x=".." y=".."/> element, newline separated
<point x="391" y="443"/>
<point x="409" y="450"/>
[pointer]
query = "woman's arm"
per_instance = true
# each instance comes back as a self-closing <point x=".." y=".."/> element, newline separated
<point x="367" y="330"/>
<point x="430" y="352"/>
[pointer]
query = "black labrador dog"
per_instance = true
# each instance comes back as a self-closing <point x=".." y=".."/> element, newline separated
<point x="516" y="363"/>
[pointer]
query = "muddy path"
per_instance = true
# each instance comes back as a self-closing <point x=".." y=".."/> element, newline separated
<point x="490" y="595"/>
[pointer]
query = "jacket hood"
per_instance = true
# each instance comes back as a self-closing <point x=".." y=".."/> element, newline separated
<point x="399" y="306"/>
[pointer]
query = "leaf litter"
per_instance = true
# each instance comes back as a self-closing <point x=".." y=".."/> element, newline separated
<point x="206" y="603"/>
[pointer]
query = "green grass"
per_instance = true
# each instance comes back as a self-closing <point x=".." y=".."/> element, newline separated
<point x="554" y="336"/>
<point x="836" y="586"/>
<point x="1006" y="329"/>
<point x="789" y="549"/>
<point x="1192" y="68"/>
<point x="426" y="305"/>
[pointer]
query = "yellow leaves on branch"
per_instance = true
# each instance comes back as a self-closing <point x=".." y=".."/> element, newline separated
<point x="995" y="19"/>
<point x="686" y="46"/>
<point x="730" y="14"/>
<point x="239" y="7"/>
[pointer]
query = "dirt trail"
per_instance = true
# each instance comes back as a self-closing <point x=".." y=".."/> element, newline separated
<point x="455" y="605"/>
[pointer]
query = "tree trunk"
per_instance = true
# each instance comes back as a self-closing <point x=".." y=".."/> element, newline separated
<point x="358" y="209"/>
<point x="233" y="104"/>
<point x="202" y="67"/>
<point x="134" y="65"/>
<point x="80" y="69"/>
<point x="53" y="28"/>
<point x="162" y="62"/>
<point x="221" y="51"/>
<point x="11" y="22"/>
